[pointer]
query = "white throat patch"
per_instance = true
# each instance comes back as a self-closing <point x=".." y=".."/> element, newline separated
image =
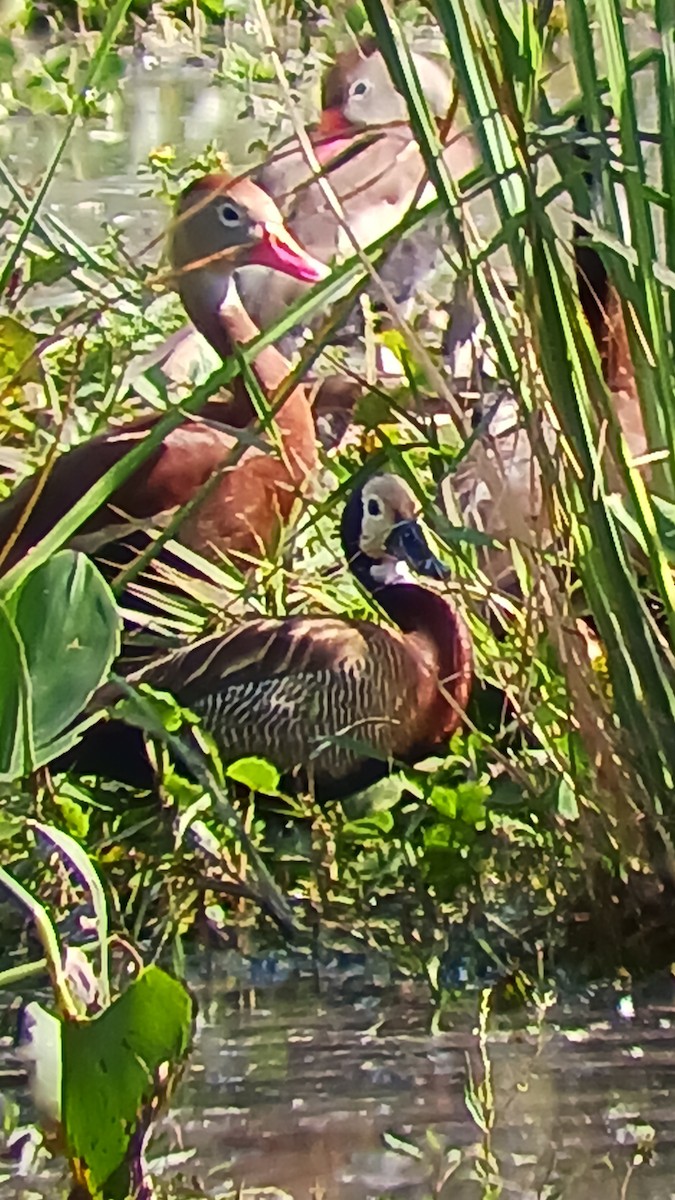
<point x="391" y="570"/>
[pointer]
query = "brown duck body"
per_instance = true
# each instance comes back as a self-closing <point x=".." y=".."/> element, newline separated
<point x="251" y="495"/>
<point x="239" y="517"/>
<point x="332" y="702"/>
<point x="336" y="699"/>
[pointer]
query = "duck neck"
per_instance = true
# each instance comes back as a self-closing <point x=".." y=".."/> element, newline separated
<point x="442" y="639"/>
<point x="215" y="308"/>
<point x="600" y="301"/>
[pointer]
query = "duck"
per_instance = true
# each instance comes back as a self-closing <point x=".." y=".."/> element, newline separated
<point x="332" y="702"/>
<point x="220" y="224"/>
<point x="497" y="488"/>
<point x="365" y="145"/>
<point x="371" y="159"/>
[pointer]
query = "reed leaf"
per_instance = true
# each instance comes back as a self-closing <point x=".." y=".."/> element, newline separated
<point x="497" y="64"/>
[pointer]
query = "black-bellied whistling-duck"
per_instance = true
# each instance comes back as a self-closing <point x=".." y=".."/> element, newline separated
<point x="220" y="225"/>
<point x="375" y="168"/>
<point x="366" y="147"/>
<point x="336" y="699"/>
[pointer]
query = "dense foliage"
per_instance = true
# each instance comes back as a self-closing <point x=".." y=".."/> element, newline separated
<point x="540" y="839"/>
<point x="563" y="777"/>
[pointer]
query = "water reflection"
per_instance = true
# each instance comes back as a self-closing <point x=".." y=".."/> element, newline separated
<point x="295" y="1082"/>
<point x="294" y="1086"/>
<point x="103" y="174"/>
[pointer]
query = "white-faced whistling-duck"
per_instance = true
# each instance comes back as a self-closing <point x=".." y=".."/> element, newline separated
<point x="331" y="700"/>
<point x="219" y="226"/>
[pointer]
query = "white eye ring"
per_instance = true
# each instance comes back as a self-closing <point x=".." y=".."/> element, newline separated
<point x="228" y="214"/>
<point x="374" y="507"/>
<point x="360" y="87"/>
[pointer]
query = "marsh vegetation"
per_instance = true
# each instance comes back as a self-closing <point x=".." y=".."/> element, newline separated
<point x="527" y="410"/>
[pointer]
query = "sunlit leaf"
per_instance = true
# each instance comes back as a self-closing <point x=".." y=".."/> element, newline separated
<point x="568" y="805"/>
<point x="256" y="774"/>
<point x="17" y="344"/>
<point x="111" y="1075"/>
<point x="59" y="634"/>
<point x="50" y="269"/>
<point x="364" y="829"/>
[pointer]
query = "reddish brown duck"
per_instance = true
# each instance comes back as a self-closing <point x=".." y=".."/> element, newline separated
<point x="219" y="226"/>
<point x="329" y="700"/>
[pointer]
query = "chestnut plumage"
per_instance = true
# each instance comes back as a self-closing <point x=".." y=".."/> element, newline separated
<point x="330" y="700"/>
<point x="603" y="309"/>
<point x="219" y="225"/>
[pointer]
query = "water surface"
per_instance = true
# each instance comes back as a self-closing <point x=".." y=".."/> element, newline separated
<point x="298" y="1075"/>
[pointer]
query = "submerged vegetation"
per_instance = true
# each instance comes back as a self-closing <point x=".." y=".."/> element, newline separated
<point x="539" y="838"/>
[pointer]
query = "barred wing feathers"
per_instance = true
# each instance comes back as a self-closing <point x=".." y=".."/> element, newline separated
<point x="317" y="691"/>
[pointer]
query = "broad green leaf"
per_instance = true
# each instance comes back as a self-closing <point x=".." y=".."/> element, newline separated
<point x="380" y="796"/>
<point x="59" y="635"/>
<point x="111" y="1066"/>
<point x="568" y="806"/>
<point x="256" y="774"/>
<point x="66" y="619"/>
<point x="17" y="344"/>
<point x="444" y="800"/>
<point x="438" y="837"/>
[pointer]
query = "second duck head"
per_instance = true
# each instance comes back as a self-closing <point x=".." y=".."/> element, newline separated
<point x="222" y="224"/>
<point x="382" y="538"/>
<point x="358" y="90"/>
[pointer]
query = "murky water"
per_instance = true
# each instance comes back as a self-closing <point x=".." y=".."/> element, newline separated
<point x="297" y="1080"/>
<point x="296" y="1086"/>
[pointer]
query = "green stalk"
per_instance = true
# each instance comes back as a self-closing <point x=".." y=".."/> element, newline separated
<point x="665" y="23"/>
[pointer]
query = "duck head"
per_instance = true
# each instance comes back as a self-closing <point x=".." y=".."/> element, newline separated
<point x="358" y="91"/>
<point x="382" y="538"/>
<point x="222" y="224"/>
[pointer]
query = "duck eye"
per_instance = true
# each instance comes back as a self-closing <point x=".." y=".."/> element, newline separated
<point x="360" y="88"/>
<point x="374" y="508"/>
<point x="228" y="214"/>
